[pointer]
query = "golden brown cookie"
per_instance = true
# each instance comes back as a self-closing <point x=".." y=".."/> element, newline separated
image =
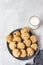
<point x="25" y="36"/>
<point x="16" y="52"/>
<point x="17" y="39"/>
<point x="23" y="53"/>
<point x="34" y="46"/>
<point x="9" y="38"/>
<point x="12" y="45"/>
<point x="30" y="52"/>
<point x="25" y="30"/>
<point x="27" y="43"/>
<point x="33" y="38"/>
<point x="20" y="45"/>
<point x="16" y="33"/>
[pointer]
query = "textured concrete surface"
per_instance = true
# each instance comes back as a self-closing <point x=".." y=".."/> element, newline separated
<point x="15" y="14"/>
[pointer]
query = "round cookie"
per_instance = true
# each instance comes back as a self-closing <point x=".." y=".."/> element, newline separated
<point x="25" y="36"/>
<point x="17" y="39"/>
<point x="20" y="45"/>
<point x="30" y="52"/>
<point x="33" y="38"/>
<point x="16" y="52"/>
<point x="25" y="30"/>
<point x="27" y="43"/>
<point x="12" y="45"/>
<point x="9" y="38"/>
<point x="34" y="46"/>
<point x="23" y="53"/>
<point x="16" y="33"/>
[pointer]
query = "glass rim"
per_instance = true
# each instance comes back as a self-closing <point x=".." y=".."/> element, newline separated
<point x="36" y="17"/>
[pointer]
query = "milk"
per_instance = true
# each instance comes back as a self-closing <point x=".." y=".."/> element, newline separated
<point x="34" y="22"/>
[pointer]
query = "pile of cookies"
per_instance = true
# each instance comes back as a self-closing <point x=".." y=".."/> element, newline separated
<point x="22" y="43"/>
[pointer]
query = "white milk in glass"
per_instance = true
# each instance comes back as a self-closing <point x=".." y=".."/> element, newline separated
<point x="34" y="22"/>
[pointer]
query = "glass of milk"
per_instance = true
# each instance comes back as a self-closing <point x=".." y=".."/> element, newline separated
<point x="34" y="22"/>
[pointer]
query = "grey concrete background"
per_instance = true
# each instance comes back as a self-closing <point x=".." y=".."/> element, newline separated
<point x="15" y="14"/>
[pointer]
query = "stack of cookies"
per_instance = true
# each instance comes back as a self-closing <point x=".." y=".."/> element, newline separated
<point x="22" y="43"/>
